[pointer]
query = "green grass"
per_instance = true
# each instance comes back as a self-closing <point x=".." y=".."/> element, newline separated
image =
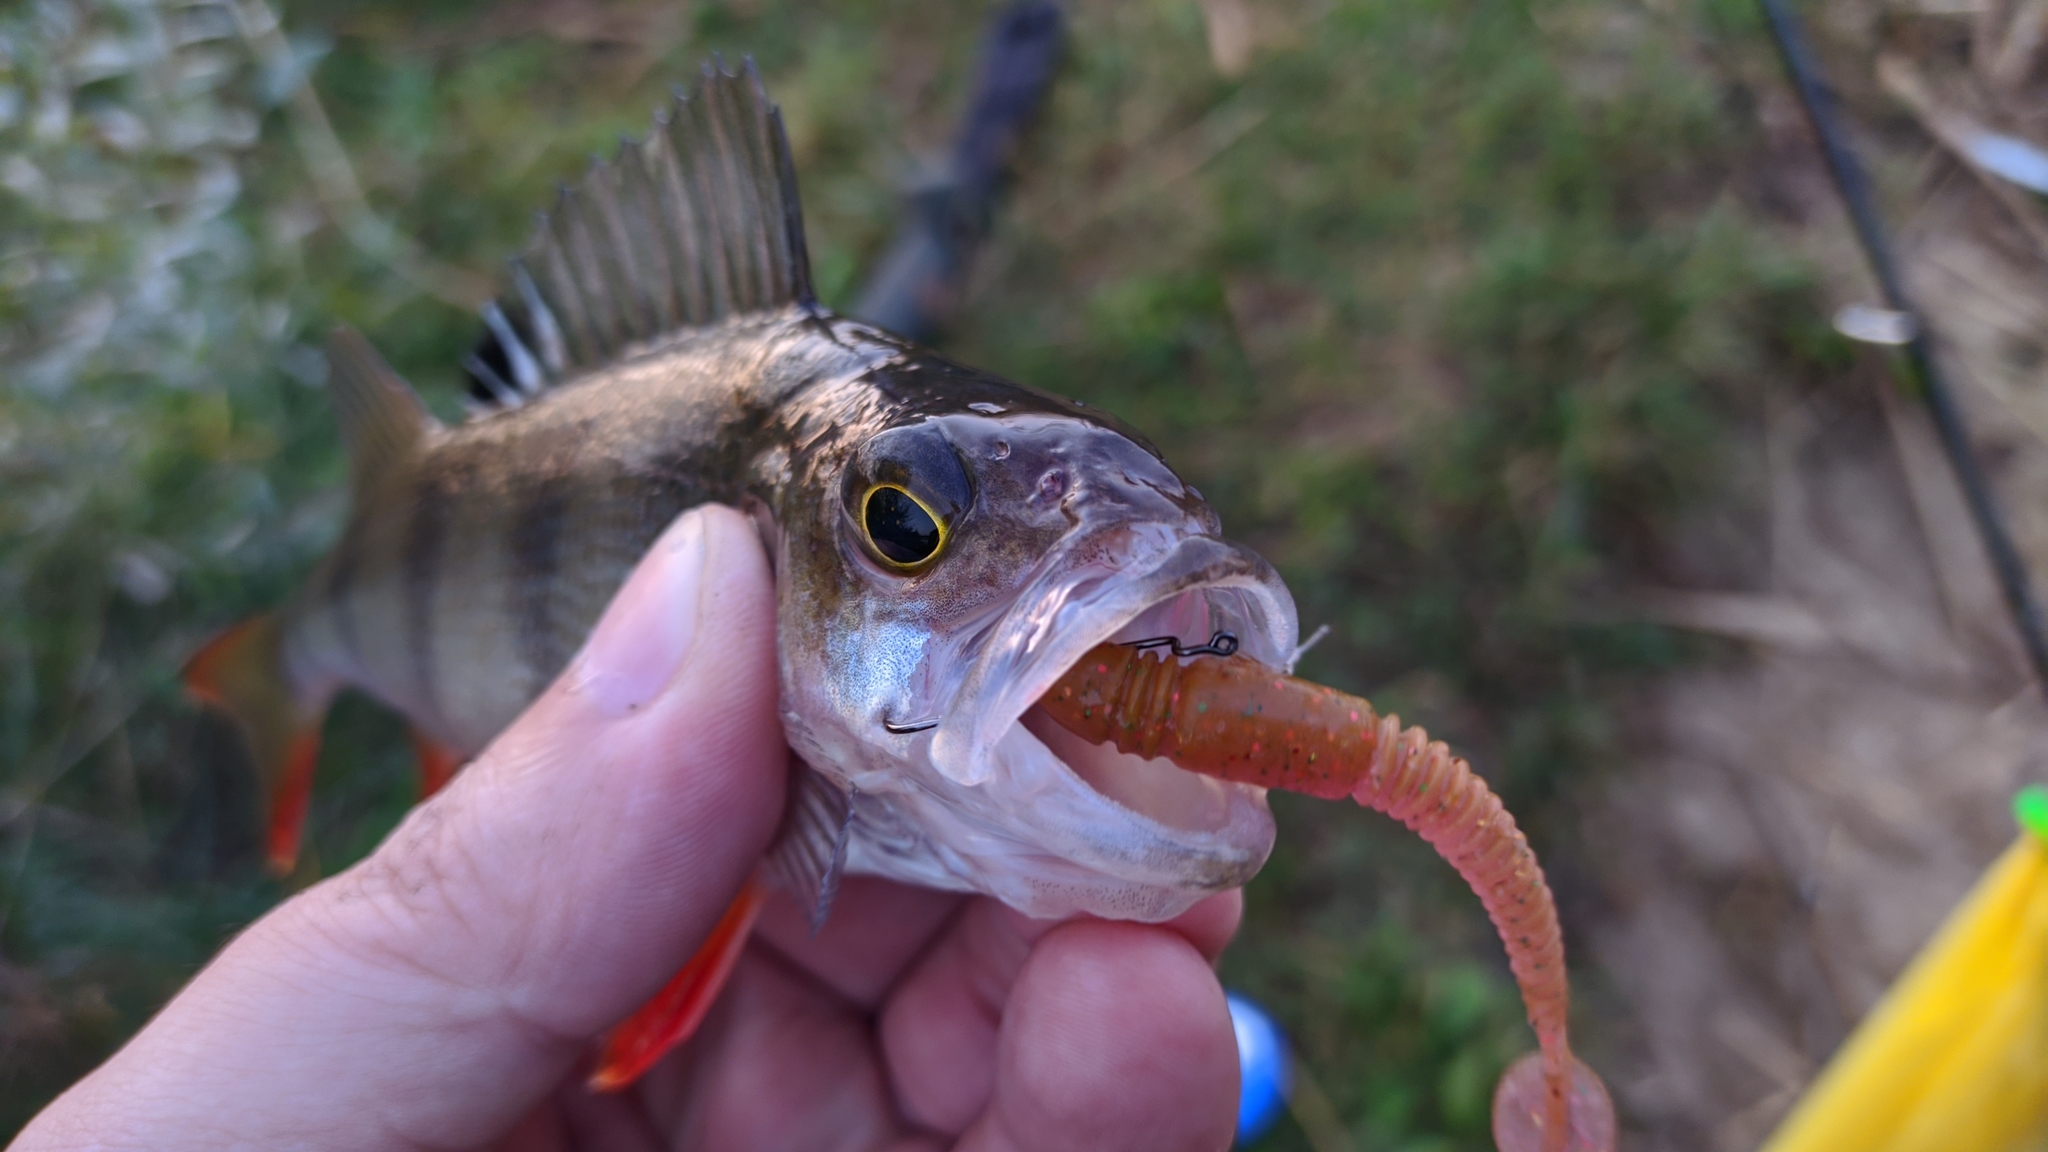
<point x="1447" y="304"/>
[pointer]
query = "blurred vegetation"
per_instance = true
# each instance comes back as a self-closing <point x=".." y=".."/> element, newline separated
<point x="1447" y="304"/>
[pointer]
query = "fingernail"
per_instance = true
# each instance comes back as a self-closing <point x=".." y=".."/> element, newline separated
<point x="643" y="637"/>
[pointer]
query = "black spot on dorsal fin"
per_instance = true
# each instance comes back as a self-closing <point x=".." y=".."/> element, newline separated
<point x="381" y="417"/>
<point x="694" y="224"/>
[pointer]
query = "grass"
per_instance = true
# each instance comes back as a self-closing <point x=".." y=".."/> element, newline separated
<point x="1446" y="304"/>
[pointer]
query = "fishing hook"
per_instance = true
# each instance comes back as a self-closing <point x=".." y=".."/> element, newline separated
<point x="1221" y="644"/>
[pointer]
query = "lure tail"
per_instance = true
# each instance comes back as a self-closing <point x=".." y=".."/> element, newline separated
<point x="241" y="672"/>
<point x="1230" y="717"/>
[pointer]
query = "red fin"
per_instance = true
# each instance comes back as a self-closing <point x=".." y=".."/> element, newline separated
<point x="437" y="762"/>
<point x="291" y="794"/>
<point x="241" y="673"/>
<point x="674" y="1013"/>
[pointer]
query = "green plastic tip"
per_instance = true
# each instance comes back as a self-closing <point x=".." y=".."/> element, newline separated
<point x="2030" y="808"/>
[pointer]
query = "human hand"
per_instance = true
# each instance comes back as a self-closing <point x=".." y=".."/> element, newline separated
<point x="446" y="992"/>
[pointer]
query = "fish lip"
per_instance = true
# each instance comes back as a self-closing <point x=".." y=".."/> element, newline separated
<point x="1084" y="594"/>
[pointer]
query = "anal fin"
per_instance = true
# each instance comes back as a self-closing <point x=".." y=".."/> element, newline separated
<point x="291" y="797"/>
<point x="674" y="1013"/>
<point x="438" y="763"/>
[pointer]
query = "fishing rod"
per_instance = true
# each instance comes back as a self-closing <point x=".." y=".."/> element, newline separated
<point x="917" y="283"/>
<point x="1854" y="185"/>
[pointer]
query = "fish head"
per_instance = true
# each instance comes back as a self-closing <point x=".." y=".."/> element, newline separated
<point x="959" y="561"/>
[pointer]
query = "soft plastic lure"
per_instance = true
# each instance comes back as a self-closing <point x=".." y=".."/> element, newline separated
<point x="1228" y="716"/>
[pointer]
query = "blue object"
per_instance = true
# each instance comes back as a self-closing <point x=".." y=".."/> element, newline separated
<point x="1263" y="1068"/>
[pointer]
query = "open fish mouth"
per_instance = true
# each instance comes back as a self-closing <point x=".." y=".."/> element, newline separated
<point x="1130" y="585"/>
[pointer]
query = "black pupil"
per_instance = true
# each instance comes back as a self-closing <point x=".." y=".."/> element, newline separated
<point x="901" y="529"/>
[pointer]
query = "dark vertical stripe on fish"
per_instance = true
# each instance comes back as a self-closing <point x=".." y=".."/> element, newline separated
<point x="536" y="538"/>
<point x="426" y="536"/>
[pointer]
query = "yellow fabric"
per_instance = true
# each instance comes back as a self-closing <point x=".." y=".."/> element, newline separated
<point x="1955" y="1057"/>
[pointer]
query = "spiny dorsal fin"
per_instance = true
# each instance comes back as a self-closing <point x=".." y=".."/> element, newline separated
<point x="381" y="417"/>
<point x="696" y="223"/>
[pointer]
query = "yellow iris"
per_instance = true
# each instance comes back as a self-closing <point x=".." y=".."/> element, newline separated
<point x="902" y="529"/>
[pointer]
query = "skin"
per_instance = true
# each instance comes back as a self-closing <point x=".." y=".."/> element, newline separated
<point x="447" y="991"/>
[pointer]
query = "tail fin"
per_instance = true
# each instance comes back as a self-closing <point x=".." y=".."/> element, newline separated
<point x="241" y="672"/>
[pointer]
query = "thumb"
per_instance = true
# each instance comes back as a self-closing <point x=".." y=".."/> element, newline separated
<point x="433" y="993"/>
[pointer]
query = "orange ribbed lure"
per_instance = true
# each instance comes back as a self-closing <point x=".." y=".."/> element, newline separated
<point x="1231" y="717"/>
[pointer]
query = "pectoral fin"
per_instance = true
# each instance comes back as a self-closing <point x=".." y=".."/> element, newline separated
<point x="676" y="1011"/>
<point x="809" y="853"/>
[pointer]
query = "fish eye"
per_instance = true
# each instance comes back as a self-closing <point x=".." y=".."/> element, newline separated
<point x="900" y="527"/>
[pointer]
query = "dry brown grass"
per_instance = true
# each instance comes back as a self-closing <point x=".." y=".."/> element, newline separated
<point x="1810" y="810"/>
